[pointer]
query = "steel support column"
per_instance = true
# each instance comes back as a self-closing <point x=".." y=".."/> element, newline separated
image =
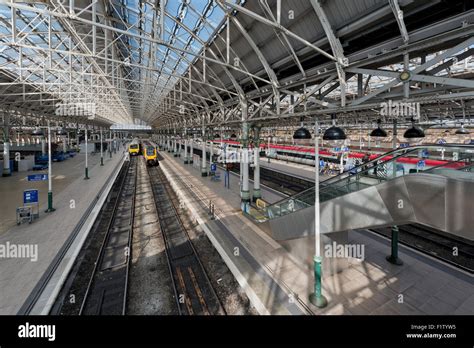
<point x="6" y="146"/>
<point x="244" y="160"/>
<point x="256" y="160"/>
<point x="203" y="157"/>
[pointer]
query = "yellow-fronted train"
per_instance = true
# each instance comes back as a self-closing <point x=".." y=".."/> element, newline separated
<point x="150" y="155"/>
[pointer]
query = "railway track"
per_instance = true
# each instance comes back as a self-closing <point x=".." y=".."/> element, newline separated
<point x="194" y="293"/>
<point x="106" y="293"/>
<point x="440" y="245"/>
<point x="424" y="239"/>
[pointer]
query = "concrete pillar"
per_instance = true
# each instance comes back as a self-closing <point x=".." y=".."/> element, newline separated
<point x="256" y="169"/>
<point x="6" y="147"/>
<point x="203" y="157"/>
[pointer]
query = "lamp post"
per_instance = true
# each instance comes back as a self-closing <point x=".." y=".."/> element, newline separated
<point x="110" y="144"/>
<point x="50" y="171"/>
<point x="6" y="146"/>
<point x="268" y="148"/>
<point x="334" y="135"/>
<point x="317" y="298"/>
<point x="86" y="177"/>
<point x="101" y="149"/>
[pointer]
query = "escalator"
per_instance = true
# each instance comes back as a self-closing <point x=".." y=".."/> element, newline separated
<point x="393" y="189"/>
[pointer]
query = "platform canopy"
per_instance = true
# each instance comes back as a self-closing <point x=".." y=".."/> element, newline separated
<point x="184" y="63"/>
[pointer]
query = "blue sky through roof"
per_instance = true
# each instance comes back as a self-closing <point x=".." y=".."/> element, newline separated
<point x="189" y="12"/>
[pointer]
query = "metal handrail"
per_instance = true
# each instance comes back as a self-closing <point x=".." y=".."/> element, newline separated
<point x="364" y="168"/>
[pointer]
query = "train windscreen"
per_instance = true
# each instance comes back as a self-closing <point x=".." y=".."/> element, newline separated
<point x="134" y="146"/>
<point x="150" y="151"/>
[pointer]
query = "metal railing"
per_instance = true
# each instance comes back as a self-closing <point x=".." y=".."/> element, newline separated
<point x="374" y="172"/>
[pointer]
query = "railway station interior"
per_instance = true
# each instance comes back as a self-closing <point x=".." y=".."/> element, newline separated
<point x="232" y="157"/>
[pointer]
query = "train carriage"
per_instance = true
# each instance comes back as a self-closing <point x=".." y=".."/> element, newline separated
<point x="134" y="148"/>
<point x="150" y="155"/>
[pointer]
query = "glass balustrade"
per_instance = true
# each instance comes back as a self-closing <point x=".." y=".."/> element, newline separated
<point x="435" y="159"/>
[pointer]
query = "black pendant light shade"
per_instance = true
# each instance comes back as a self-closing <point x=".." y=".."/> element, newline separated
<point x="302" y="134"/>
<point x="414" y="132"/>
<point x="334" y="134"/>
<point x="462" y="131"/>
<point x="233" y="136"/>
<point x="216" y="136"/>
<point x="378" y="132"/>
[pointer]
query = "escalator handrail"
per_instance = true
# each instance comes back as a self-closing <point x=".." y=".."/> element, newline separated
<point x="342" y="176"/>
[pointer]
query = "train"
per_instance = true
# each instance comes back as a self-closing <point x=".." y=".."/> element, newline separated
<point x="305" y="155"/>
<point x="134" y="149"/>
<point x="150" y="155"/>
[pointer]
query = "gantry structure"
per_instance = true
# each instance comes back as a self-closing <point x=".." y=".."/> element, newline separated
<point x="182" y="64"/>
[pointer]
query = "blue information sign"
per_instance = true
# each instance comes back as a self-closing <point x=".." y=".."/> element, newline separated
<point x="38" y="177"/>
<point x="30" y="196"/>
<point x="213" y="167"/>
<point x="441" y="141"/>
<point x="421" y="164"/>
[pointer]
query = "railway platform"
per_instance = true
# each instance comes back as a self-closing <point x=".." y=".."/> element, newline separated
<point x="75" y="202"/>
<point x="278" y="281"/>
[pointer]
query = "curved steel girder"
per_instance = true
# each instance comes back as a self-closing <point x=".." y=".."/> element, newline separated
<point x="134" y="65"/>
<point x="213" y="88"/>
<point x="42" y="37"/>
<point x="271" y="74"/>
<point x="336" y="47"/>
<point x="79" y="42"/>
<point x="277" y="26"/>
<point x="267" y="8"/>
<point x="224" y="65"/>
<point x="170" y="47"/>
<point x="398" y="13"/>
<point x="163" y="64"/>
<point x="219" y="37"/>
<point x="125" y="32"/>
<point x="236" y="85"/>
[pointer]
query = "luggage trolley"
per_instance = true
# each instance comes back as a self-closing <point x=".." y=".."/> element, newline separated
<point x="30" y="209"/>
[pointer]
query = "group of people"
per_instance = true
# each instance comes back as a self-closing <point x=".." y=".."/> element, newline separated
<point x="328" y="168"/>
<point x="332" y="168"/>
